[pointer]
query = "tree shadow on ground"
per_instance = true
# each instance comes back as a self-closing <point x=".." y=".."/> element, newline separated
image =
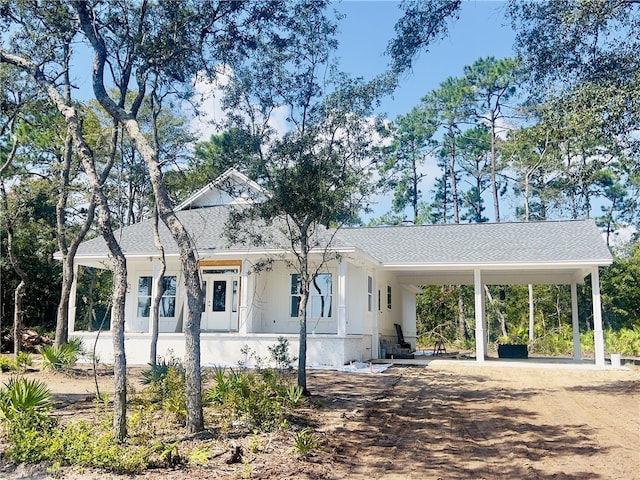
<point x="412" y="422"/>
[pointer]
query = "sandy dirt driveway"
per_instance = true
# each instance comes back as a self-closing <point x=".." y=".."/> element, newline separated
<point x="454" y="421"/>
<point x="483" y="423"/>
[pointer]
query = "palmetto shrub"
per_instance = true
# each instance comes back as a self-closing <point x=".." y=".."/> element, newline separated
<point x="24" y="410"/>
<point x="62" y="357"/>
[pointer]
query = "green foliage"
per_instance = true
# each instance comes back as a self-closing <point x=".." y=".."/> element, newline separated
<point x="7" y="364"/>
<point x="24" y="411"/>
<point x="26" y="398"/>
<point x="625" y="341"/>
<point x="62" y="357"/>
<point x="251" y="400"/>
<point x="83" y="444"/>
<point x="168" y="452"/>
<point x="305" y="442"/>
<point x="280" y="355"/>
<point x="621" y="291"/>
<point x="294" y="395"/>
<point x="34" y="436"/>
<point x="24" y="360"/>
<point x="166" y="386"/>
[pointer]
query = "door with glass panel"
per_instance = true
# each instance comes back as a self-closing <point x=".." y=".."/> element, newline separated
<point x="221" y="292"/>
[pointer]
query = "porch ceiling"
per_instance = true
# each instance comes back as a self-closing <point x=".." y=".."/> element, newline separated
<point x="514" y="275"/>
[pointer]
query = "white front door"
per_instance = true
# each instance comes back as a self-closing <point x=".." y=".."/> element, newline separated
<point x="220" y="308"/>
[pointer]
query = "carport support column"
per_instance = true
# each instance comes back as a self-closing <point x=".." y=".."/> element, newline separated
<point x="598" y="337"/>
<point x="342" y="298"/>
<point x="577" y="354"/>
<point x="479" y="314"/>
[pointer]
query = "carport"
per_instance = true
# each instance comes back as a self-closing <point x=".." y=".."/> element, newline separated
<point x="550" y="252"/>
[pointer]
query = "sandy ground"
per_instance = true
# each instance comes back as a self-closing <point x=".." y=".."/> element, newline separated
<point x="435" y="422"/>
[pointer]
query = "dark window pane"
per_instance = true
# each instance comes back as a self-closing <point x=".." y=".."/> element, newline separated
<point x="295" y="284"/>
<point x="169" y="284"/>
<point x="168" y="307"/>
<point x="144" y="286"/>
<point x="219" y="295"/>
<point x="144" y="305"/>
<point x="295" y="306"/>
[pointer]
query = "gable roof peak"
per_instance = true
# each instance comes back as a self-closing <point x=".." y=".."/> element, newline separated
<point x="231" y="187"/>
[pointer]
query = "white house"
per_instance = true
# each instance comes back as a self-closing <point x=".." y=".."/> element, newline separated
<point x="356" y="300"/>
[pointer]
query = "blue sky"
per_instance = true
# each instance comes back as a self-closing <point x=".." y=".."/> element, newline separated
<point x="480" y="31"/>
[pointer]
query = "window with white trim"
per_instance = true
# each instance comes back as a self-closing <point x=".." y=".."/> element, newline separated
<point x="369" y="294"/>
<point x="320" y="300"/>
<point x="168" y="301"/>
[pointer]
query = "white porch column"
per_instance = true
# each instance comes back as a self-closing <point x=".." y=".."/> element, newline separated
<point x="479" y="315"/>
<point x="375" y="330"/>
<point x="577" y="355"/>
<point x="342" y="298"/>
<point x="243" y="310"/>
<point x="71" y="313"/>
<point x="598" y="337"/>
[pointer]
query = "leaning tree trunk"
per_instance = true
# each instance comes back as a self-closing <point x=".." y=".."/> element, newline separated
<point x="159" y="291"/>
<point x="68" y="250"/>
<point x="104" y="220"/>
<point x="193" y="384"/>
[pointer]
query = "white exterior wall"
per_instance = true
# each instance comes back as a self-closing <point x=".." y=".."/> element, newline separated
<point x="272" y="303"/>
<point x="267" y="318"/>
<point x="358" y="319"/>
<point x="225" y="349"/>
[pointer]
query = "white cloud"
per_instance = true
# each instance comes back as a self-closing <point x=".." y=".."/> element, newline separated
<point x="210" y="114"/>
<point x="208" y="101"/>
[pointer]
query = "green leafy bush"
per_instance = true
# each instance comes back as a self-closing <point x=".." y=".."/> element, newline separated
<point x="7" y="364"/>
<point x="166" y="387"/>
<point x="62" y="357"/>
<point x="245" y="399"/>
<point x="24" y="411"/>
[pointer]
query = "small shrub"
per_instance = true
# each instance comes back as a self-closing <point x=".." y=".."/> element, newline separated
<point x="306" y="442"/>
<point x="24" y="410"/>
<point x="24" y="397"/>
<point x="166" y="387"/>
<point x="294" y="395"/>
<point x="24" y="360"/>
<point x="62" y="357"/>
<point x="245" y="399"/>
<point x="7" y="365"/>
<point x="280" y="355"/>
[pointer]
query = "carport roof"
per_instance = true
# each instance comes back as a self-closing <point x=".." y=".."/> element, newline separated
<point x="550" y="252"/>
<point x="482" y="243"/>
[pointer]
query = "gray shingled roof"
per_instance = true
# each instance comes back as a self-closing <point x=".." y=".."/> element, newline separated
<point x="487" y="243"/>
<point x="462" y="244"/>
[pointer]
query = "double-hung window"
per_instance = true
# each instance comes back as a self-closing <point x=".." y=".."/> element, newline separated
<point x="319" y="304"/>
<point x="168" y="301"/>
